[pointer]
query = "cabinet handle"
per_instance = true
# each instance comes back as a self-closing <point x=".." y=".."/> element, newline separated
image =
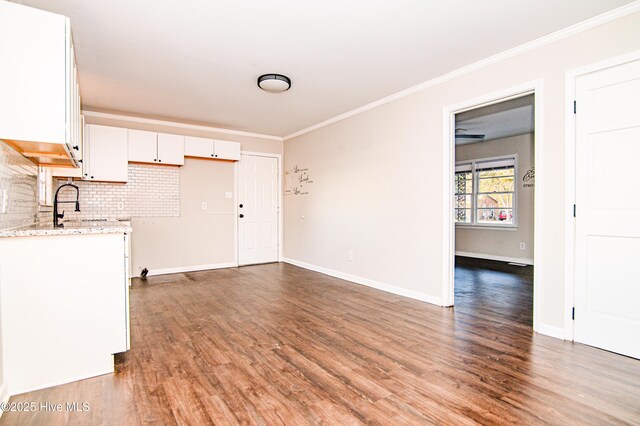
<point x="212" y="155"/>
<point x="216" y="155"/>
<point x="241" y="206"/>
<point x="155" y="159"/>
<point x="77" y="148"/>
<point x="91" y="177"/>
<point x="159" y="161"/>
<point x="241" y="215"/>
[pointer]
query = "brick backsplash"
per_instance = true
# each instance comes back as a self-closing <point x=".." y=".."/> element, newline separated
<point x="19" y="177"/>
<point x="152" y="191"/>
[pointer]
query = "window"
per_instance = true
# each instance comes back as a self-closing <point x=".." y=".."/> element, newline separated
<point x="485" y="192"/>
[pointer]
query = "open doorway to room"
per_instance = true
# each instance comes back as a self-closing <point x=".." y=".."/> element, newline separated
<point x="494" y="210"/>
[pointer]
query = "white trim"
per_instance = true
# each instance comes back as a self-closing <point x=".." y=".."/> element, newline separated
<point x="448" y="167"/>
<point x="526" y="260"/>
<point x="570" y="180"/>
<point x="4" y="396"/>
<point x="193" y="268"/>
<point x="280" y="206"/>
<point x="142" y="120"/>
<point x="549" y="330"/>
<point x="367" y="282"/>
<point x="526" y="47"/>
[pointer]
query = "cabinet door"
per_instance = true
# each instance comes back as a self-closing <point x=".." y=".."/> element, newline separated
<point x="143" y="146"/>
<point x="170" y="149"/>
<point x="32" y="75"/>
<point x="224" y="150"/>
<point x="198" y="147"/>
<point x="108" y="153"/>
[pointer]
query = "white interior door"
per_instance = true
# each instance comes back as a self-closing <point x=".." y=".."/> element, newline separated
<point x="257" y="210"/>
<point x="607" y="304"/>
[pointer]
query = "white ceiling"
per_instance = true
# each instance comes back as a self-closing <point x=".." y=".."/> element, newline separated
<point x="497" y="121"/>
<point x="197" y="61"/>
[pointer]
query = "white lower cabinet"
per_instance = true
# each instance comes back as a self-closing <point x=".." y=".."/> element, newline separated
<point x="106" y="158"/>
<point x="62" y="318"/>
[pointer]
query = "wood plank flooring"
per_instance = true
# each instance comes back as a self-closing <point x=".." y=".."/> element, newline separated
<point x="276" y="344"/>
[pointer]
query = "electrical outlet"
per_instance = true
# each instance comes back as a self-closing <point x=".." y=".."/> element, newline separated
<point x="204" y="205"/>
<point x="228" y="194"/>
<point x="120" y="205"/>
<point x="523" y="246"/>
<point x="350" y="255"/>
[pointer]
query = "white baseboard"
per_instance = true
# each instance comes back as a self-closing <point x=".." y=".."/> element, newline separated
<point x="192" y="268"/>
<point x="4" y="395"/>
<point x="526" y="261"/>
<point x="550" y="330"/>
<point x="367" y="282"/>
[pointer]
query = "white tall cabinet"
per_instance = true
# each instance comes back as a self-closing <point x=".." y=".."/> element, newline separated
<point x="40" y="108"/>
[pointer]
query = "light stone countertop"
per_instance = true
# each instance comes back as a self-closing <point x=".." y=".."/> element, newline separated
<point x="69" y="228"/>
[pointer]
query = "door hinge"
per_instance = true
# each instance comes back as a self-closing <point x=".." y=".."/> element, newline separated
<point x="574" y="210"/>
<point x="574" y="107"/>
<point x="573" y="313"/>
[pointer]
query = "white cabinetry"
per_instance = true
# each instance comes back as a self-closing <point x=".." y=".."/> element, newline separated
<point x="224" y="150"/>
<point x="170" y="149"/>
<point x="211" y="148"/>
<point x="40" y="108"/>
<point x="106" y="156"/>
<point x="61" y="321"/>
<point x="143" y="146"/>
<point x="156" y="148"/>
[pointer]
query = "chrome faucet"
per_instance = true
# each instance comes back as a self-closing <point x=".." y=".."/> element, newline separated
<point x="57" y="215"/>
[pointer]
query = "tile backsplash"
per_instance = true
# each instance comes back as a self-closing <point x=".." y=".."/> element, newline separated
<point x="152" y="191"/>
<point x="19" y="178"/>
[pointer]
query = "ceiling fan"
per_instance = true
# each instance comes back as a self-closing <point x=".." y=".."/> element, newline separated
<point x="463" y="135"/>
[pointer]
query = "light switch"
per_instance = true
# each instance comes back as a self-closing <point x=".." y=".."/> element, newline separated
<point x="204" y="205"/>
<point x="228" y="194"/>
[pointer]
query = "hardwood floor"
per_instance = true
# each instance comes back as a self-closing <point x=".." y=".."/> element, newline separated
<point x="276" y="344"/>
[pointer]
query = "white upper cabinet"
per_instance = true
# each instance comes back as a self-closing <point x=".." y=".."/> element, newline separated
<point x="211" y="148"/>
<point x="143" y="146"/>
<point x="225" y="150"/>
<point x="156" y="148"/>
<point x="107" y="159"/>
<point x="40" y="108"/>
<point x="198" y="147"/>
<point x="170" y="149"/>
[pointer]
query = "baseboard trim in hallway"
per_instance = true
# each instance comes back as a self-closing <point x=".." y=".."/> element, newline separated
<point x="366" y="282"/>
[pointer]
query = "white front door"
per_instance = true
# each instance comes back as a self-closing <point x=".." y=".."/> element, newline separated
<point x="257" y="209"/>
<point x="607" y="299"/>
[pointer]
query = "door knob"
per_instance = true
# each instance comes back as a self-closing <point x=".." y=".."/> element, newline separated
<point x="241" y="215"/>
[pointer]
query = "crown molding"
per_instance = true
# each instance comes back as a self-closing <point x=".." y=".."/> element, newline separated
<point x="593" y="22"/>
<point x="133" y="119"/>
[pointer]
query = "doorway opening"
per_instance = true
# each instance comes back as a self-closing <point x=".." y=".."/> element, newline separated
<point x="492" y="239"/>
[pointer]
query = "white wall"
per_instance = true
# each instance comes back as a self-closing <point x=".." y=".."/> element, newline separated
<point x="378" y="175"/>
<point x="503" y="243"/>
<point x="197" y="237"/>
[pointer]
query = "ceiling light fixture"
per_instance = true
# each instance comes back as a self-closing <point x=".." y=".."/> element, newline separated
<point x="274" y="83"/>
